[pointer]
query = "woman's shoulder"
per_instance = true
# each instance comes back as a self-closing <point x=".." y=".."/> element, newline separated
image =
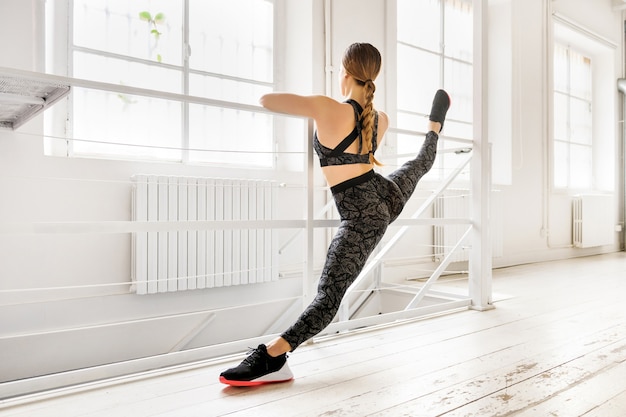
<point x="328" y="109"/>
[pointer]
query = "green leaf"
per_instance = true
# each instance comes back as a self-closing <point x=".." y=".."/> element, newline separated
<point x="159" y="18"/>
<point x="159" y="58"/>
<point x="126" y="100"/>
<point x="146" y="16"/>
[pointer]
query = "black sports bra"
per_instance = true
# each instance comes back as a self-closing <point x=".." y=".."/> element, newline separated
<point x="337" y="156"/>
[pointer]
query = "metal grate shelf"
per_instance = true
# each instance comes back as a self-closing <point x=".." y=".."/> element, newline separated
<point x="23" y="97"/>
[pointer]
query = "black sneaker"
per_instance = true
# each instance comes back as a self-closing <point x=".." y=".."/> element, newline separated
<point x="258" y="368"/>
<point x="441" y="104"/>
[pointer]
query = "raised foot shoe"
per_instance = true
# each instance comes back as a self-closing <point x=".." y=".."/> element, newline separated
<point x="257" y="369"/>
<point x="441" y="104"/>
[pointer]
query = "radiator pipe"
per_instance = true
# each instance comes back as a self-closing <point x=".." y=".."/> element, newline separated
<point x="621" y="86"/>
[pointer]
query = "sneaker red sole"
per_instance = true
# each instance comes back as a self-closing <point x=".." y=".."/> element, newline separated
<point x="250" y="383"/>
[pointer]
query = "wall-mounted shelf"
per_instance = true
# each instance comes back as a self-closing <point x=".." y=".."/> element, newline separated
<point x="22" y="97"/>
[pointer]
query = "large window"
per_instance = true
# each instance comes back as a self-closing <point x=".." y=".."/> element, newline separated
<point x="434" y="50"/>
<point x="583" y="108"/>
<point x="573" y="145"/>
<point x="222" y="50"/>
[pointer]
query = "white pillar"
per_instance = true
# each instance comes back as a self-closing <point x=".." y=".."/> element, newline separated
<point x="480" y="262"/>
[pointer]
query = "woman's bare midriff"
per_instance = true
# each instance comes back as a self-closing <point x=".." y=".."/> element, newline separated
<point x="336" y="174"/>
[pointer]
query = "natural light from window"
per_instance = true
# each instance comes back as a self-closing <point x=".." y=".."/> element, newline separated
<point x="434" y="50"/>
<point x="573" y="145"/>
<point x="224" y="51"/>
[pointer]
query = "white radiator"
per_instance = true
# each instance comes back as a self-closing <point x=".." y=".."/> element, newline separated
<point x="593" y="220"/>
<point x="455" y="203"/>
<point x="165" y="261"/>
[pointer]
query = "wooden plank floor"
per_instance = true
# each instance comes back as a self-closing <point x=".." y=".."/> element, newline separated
<point x="554" y="346"/>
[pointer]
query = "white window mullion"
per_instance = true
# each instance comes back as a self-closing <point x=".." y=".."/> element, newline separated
<point x="69" y="125"/>
<point x="186" y="52"/>
<point x="442" y="46"/>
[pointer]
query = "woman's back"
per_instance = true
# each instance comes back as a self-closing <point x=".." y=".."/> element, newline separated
<point x="333" y="127"/>
<point x="334" y="120"/>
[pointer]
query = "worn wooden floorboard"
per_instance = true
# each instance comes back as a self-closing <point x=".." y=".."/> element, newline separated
<point x="555" y="345"/>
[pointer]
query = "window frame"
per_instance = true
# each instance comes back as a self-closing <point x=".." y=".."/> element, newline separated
<point x="601" y="51"/>
<point x="571" y="97"/>
<point x="444" y="59"/>
<point x="65" y="47"/>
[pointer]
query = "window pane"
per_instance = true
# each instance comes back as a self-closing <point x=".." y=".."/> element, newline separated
<point x="418" y="74"/>
<point x="561" y="164"/>
<point x="116" y="26"/>
<point x="127" y="126"/>
<point x="225" y="89"/>
<point x="224" y="135"/>
<point x="118" y="71"/>
<point x="458" y="81"/>
<point x="458" y="130"/>
<point x="233" y="38"/>
<point x="580" y="168"/>
<point x="580" y="121"/>
<point x="572" y="118"/>
<point x="561" y="69"/>
<point x="409" y="144"/>
<point x="232" y="59"/>
<point x="410" y="121"/>
<point x="561" y="116"/>
<point x="458" y="37"/>
<point x="580" y="75"/>
<point x="419" y="23"/>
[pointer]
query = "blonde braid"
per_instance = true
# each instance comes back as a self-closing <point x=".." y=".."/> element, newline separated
<point x="368" y="119"/>
<point x="362" y="61"/>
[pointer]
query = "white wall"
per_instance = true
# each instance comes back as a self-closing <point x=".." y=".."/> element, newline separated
<point x="538" y="220"/>
<point x="54" y="330"/>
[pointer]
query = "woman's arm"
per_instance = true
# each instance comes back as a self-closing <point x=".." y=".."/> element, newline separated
<point x="307" y="106"/>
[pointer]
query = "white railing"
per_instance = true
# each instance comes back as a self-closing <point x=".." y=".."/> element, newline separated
<point x="309" y="224"/>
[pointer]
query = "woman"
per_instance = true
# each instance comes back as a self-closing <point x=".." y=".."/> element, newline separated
<point x="345" y="140"/>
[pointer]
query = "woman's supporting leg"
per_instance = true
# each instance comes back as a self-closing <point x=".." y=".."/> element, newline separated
<point x="348" y="252"/>
<point x="365" y="222"/>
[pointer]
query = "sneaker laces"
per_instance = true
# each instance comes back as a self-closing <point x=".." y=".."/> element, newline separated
<point x="254" y="354"/>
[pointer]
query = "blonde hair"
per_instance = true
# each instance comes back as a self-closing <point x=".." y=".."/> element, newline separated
<point x="362" y="61"/>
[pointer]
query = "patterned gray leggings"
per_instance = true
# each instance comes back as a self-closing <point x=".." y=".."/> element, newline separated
<point x="366" y="205"/>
